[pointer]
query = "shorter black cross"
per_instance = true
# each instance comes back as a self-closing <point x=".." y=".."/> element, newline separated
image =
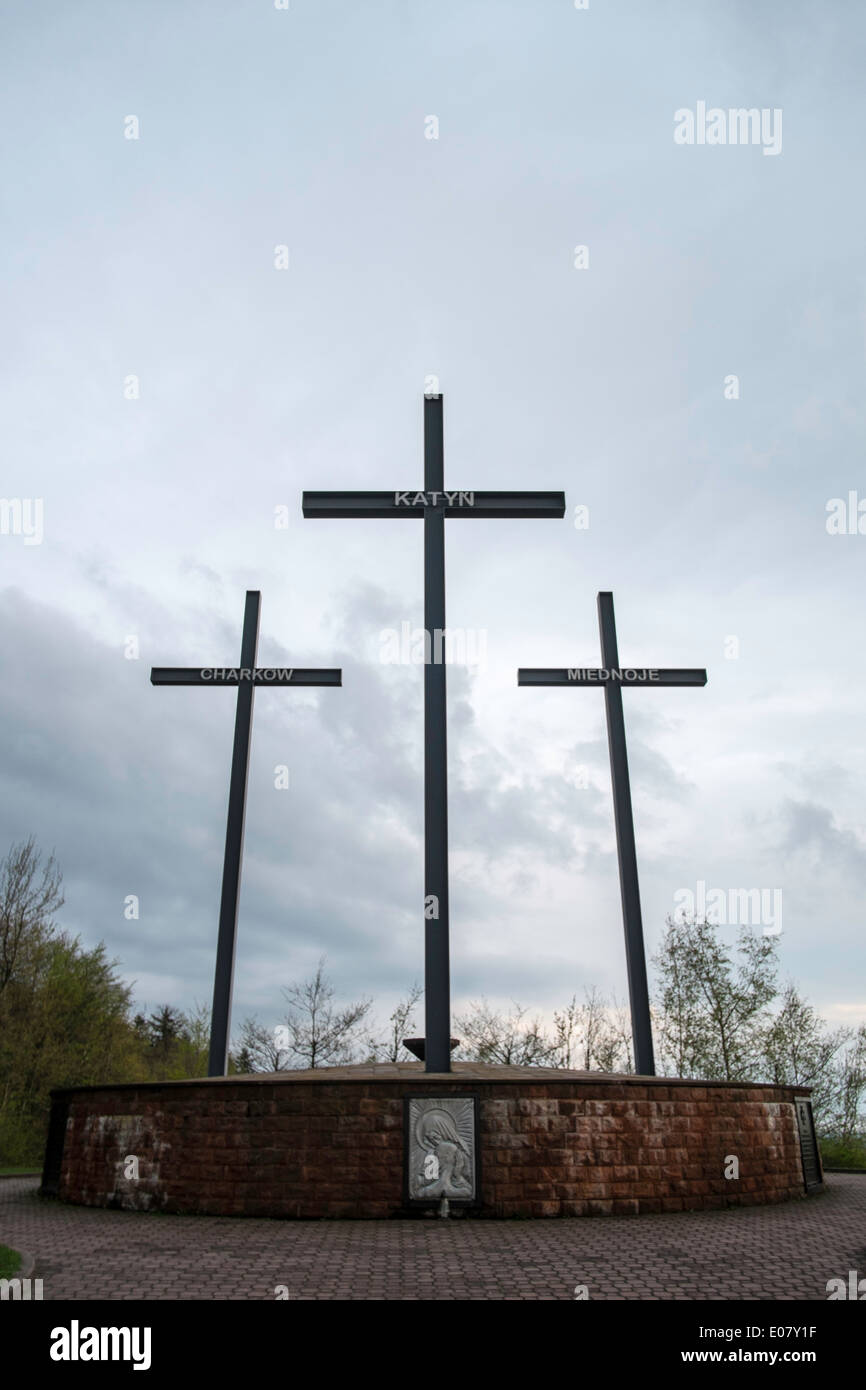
<point x="613" y="677"/>
<point x="246" y="676"/>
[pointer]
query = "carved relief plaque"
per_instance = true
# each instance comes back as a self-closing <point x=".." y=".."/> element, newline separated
<point x="441" y="1148"/>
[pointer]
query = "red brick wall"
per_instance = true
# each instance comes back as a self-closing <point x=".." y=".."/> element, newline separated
<point x="335" y="1149"/>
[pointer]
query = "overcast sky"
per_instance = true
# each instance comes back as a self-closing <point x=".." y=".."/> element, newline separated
<point x="605" y="373"/>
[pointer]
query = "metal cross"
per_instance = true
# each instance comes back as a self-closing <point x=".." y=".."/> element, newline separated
<point x="434" y="504"/>
<point x="246" y="676"/>
<point x="613" y="678"/>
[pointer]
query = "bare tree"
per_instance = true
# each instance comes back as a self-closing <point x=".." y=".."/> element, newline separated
<point x="593" y="1036"/>
<point x="319" y="1034"/>
<point x="613" y="1051"/>
<point x="583" y="1033"/>
<point x="391" y="1049"/>
<point x="29" y="895"/>
<point x="263" y="1049"/>
<point x="490" y="1037"/>
<point x="569" y="1032"/>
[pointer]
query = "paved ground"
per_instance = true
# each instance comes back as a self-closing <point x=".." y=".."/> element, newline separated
<point x="787" y="1252"/>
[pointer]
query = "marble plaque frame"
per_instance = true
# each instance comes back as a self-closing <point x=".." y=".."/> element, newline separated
<point x="810" y="1153"/>
<point x="453" y="1124"/>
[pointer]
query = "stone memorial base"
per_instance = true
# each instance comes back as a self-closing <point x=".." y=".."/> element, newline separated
<point x="331" y="1143"/>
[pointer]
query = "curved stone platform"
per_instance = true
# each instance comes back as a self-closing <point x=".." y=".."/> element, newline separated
<point x="330" y="1142"/>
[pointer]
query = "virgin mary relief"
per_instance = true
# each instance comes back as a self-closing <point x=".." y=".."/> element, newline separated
<point x="442" y="1149"/>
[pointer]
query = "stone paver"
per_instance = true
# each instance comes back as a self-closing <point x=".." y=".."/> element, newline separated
<point x="781" y="1252"/>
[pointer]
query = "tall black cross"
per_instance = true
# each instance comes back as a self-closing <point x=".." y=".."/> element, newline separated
<point x="434" y="504"/>
<point x="613" y="677"/>
<point x="246" y="677"/>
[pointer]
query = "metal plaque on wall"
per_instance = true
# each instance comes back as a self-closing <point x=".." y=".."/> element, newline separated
<point x="812" y="1175"/>
<point x="441" y="1149"/>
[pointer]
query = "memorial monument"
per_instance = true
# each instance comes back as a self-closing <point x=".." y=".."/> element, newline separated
<point x="381" y="1140"/>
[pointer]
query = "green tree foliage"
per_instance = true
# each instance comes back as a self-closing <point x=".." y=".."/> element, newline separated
<point x="798" y="1049"/>
<point x="845" y="1120"/>
<point x="65" y="1013"/>
<point x="720" y="1018"/>
<point x="63" y="1010"/>
<point x="712" y="1007"/>
<point x="173" y="1045"/>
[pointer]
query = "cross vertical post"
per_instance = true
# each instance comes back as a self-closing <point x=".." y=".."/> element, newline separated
<point x="635" y="954"/>
<point x="228" y="923"/>
<point x="437" y="994"/>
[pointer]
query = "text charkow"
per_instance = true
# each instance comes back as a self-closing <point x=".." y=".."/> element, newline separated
<point x="247" y="673"/>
